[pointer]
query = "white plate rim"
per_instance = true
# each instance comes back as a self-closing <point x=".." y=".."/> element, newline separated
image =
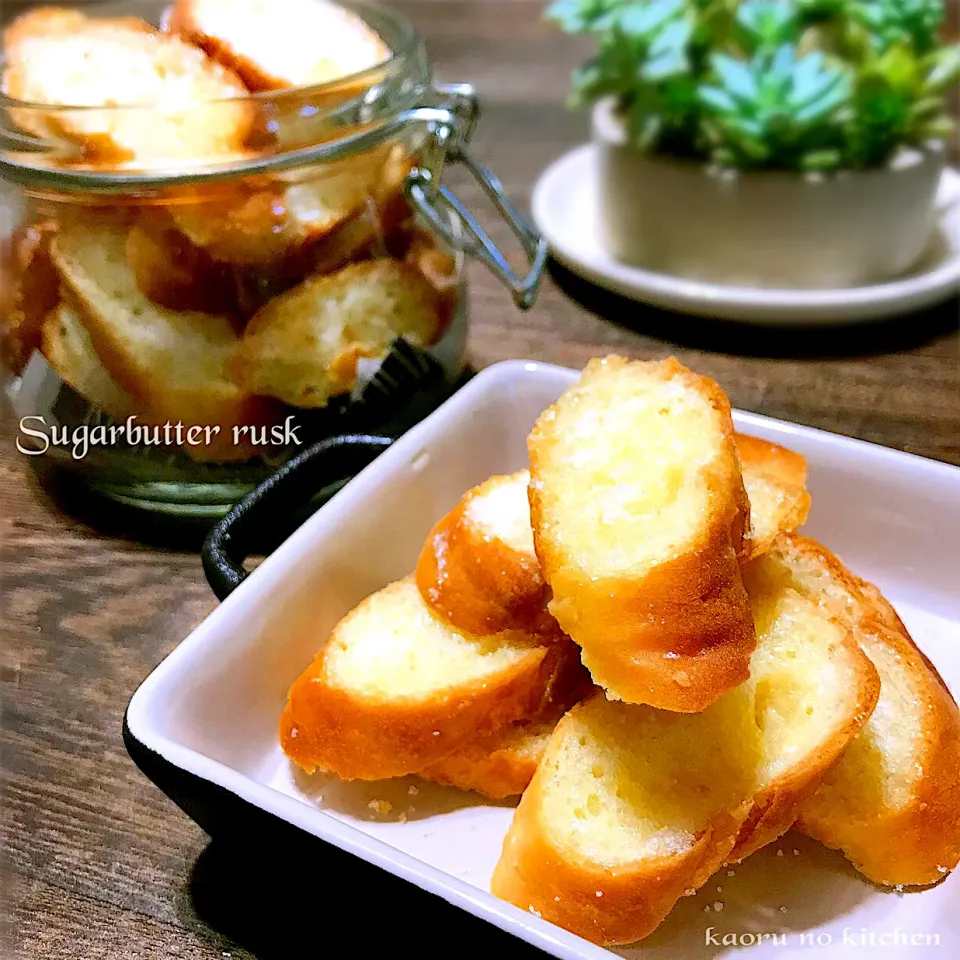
<point x="864" y="304"/>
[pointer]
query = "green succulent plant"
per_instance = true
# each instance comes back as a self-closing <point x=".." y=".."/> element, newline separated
<point x="770" y="84"/>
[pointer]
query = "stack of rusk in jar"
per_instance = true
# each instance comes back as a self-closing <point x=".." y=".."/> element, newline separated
<point x="228" y="303"/>
<point x="633" y="636"/>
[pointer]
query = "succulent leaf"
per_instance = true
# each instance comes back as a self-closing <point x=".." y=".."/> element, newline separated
<point x="718" y="98"/>
<point x="643" y="19"/>
<point x="736" y="77"/>
<point x="820" y="160"/>
<point x="781" y="84"/>
<point x="943" y="69"/>
<point x="767" y="23"/>
<point x="915" y="22"/>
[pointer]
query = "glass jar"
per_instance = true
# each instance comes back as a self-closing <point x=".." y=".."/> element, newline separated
<point x="178" y="325"/>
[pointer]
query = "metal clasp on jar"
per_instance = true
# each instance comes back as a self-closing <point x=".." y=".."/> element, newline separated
<point x="436" y="201"/>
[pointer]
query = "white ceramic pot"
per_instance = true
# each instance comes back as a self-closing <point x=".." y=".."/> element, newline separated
<point x="763" y="229"/>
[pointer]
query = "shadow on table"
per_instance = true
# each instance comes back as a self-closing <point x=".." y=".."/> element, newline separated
<point x="108" y="518"/>
<point x="752" y="340"/>
<point x="304" y="898"/>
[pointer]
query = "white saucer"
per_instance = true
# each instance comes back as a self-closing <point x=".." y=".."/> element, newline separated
<point x="565" y="211"/>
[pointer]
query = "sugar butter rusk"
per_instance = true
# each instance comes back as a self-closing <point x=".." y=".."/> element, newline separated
<point x="640" y="519"/>
<point x="776" y="482"/>
<point x="394" y="689"/>
<point x="891" y="803"/>
<point x="279" y="45"/>
<point x="173" y="363"/>
<point x="69" y="350"/>
<point x="883" y="611"/>
<point x="478" y="567"/>
<point x="502" y="764"/>
<point x="803" y="654"/>
<point x="270" y="223"/>
<point x="633" y="807"/>
<point x="177" y="100"/>
<point x="67" y="347"/>
<point x="29" y="290"/>
<point x="499" y="766"/>
<point x="303" y="346"/>
<point x="173" y="272"/>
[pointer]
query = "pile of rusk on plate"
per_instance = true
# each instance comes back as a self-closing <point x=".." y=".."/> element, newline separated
<point x="632" y="636"/>
<point x="227" y="303"/>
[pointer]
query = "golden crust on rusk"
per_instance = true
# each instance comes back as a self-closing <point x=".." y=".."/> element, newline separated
<point x="180" y="106"/>
<point x="67" y="347"/>
<point x="891" y="803"/>
<point x="632" y="807"/>
<point x="620" y="890"/>
<point x="29" y="290"/>
<point x="304" y="345"/>
<point x="274" y="45"/>
<point x="499" y="766"/>
<point x="172" y="362"/>
<point x="173" y="272"/>
<point x="640" y="520"/>
<point x="775" y="479"/>
<point x="789" y="630"/>
<point x="503" y="764"/>
<point x="395" y="689"/>
<point x="295" y="227"/>
<point x="478" y="567"/>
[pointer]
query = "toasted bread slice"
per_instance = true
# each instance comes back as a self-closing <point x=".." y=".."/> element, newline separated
<point x="173" y="363"/>
<point x="31" y="289"/>
<point x="803" y="654"/>
<point x="891" y="803"/>
<point x="881" y="609"/>
<point x="266" y="223"/>
<point x="271" y="223"/>
<point x="272" y="46"/>
<point x="502" y="764"/>
<point x="67" y="347"/>
<point x="365" y="234"/>
<point x="395" y="690"/>
<point x="639" y="519"/>
<point x="631" y="807"/>
<point x="303" y="346"/>
<point x="173" y="272"/>
<point x="498" y="766"/>
<point x="775" y="479"/>
<point x="60" y="57"/>
<point x="69" y="350"/>
<point x="45" y="21"/>
<point x="478" y="567"/>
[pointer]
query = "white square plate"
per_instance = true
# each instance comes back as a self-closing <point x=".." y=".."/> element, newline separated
<point x="210" y="710"/>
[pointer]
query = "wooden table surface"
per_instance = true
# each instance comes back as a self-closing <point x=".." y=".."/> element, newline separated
<point x="96" y="862"/>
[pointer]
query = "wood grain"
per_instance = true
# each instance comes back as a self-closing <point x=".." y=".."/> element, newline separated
<point x="96" y="862"/>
